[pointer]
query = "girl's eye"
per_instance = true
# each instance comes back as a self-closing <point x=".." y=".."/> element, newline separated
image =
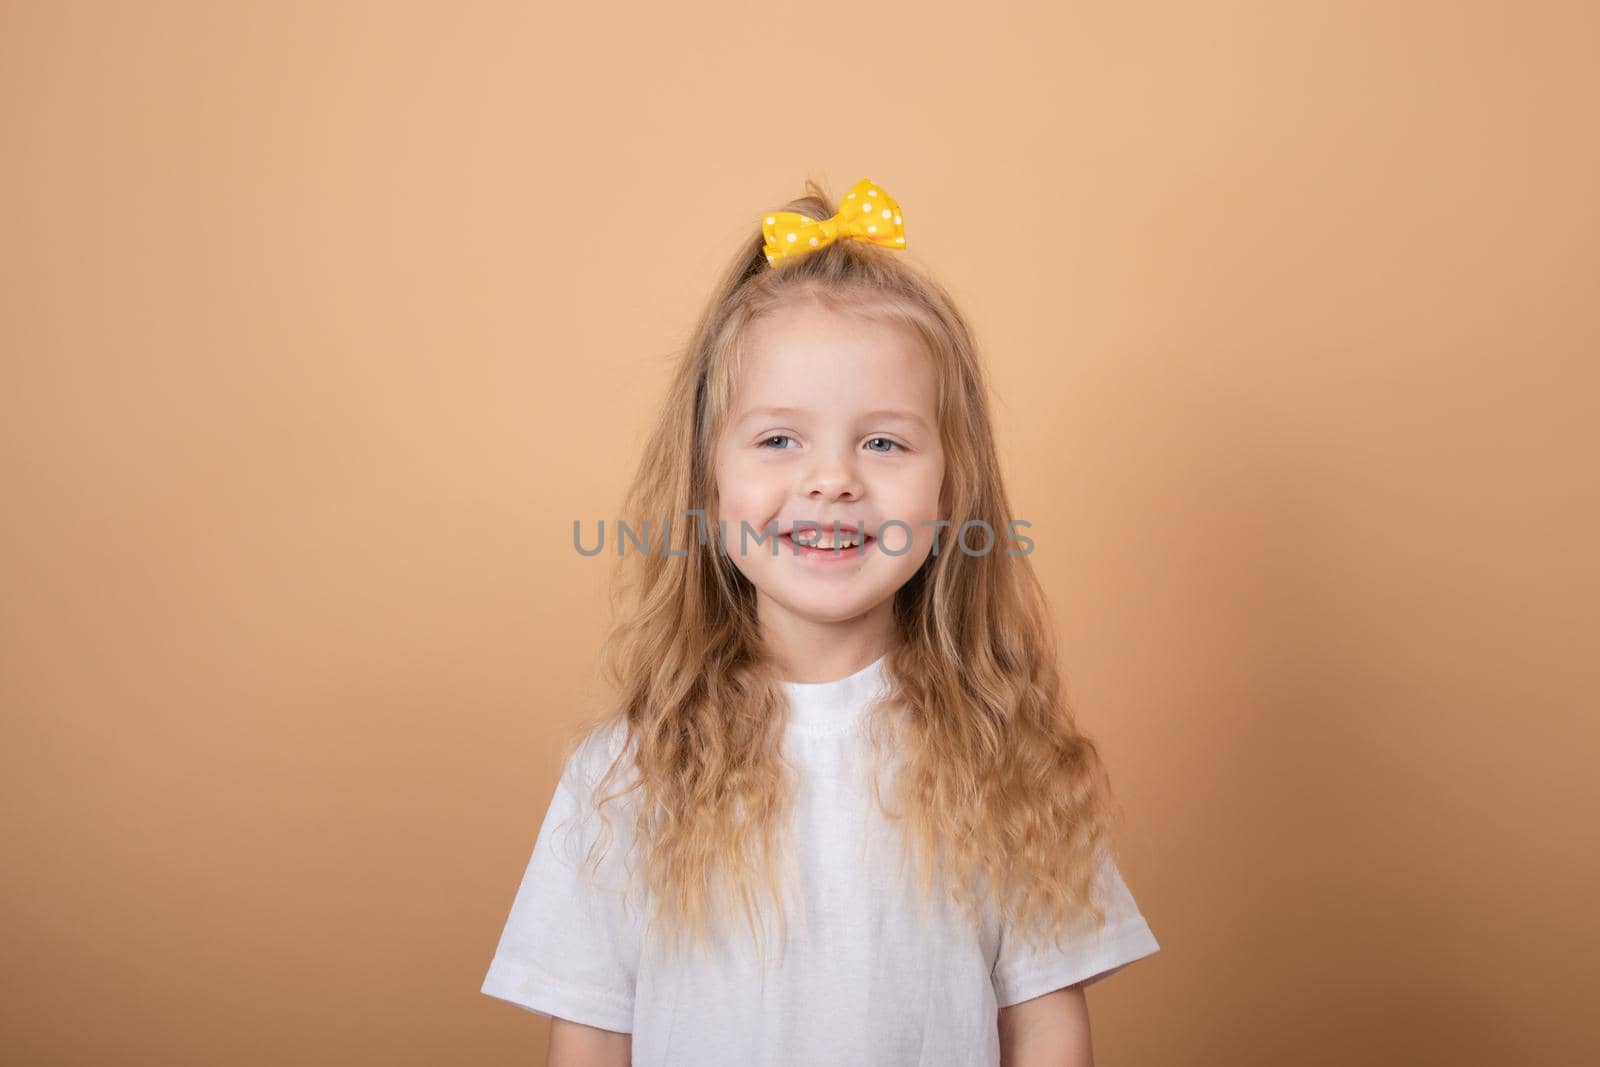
<point x="889" y="446"/>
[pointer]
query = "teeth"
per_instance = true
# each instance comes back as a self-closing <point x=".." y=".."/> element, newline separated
<point x="824" y="539"/>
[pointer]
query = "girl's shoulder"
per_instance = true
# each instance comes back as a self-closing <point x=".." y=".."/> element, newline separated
<point x="593" y="750"/>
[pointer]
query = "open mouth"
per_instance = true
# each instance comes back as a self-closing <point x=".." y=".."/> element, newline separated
<point x="826" y="546"/>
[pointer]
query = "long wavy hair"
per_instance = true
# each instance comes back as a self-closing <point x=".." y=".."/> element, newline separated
<point x="1000" y="794"/>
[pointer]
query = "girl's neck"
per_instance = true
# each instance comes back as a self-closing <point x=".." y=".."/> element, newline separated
<point x="811" y="651"/>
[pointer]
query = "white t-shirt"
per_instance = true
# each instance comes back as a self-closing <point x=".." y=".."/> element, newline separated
<point x="864" y="978"/>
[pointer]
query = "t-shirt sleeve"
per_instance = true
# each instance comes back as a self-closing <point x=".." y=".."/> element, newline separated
<point x="570" y="947"/>
<point x="1024" y="970"/>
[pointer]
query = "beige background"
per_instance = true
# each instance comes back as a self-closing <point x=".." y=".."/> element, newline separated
<point x="323" y="321"/>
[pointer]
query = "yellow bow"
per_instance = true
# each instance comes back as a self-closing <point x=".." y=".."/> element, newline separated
<point x="867" y="213"/>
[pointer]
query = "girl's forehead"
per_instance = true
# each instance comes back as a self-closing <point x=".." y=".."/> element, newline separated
<point x="808" y="358"/>
<point x="847" y="397"/>
<point x="819" y="344"/>
<point x="812" y="317"/>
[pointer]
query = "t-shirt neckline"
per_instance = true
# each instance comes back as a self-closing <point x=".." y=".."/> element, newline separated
<point x="834" y="707"/>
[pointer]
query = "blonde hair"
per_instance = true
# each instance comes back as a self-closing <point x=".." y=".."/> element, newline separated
<point x="999" y="785"/>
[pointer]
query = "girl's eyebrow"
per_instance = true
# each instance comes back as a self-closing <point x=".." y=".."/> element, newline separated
<point x="879" y="415"/>
<point x="778" y="411"/>
<point x="896" y="413"/>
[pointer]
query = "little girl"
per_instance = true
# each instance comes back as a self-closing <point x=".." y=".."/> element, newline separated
<point x="838" y="813"/>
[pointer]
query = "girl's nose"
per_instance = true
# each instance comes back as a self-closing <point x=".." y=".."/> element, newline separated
<point x="833" y="478"/>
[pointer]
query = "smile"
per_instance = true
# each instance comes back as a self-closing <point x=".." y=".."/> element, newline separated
<point x="820" y="545"/>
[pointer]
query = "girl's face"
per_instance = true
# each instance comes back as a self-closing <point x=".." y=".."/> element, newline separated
<point x="834" y="418"/>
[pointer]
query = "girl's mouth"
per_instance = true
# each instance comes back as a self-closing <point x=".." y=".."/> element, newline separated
<point x="838" y="550"/>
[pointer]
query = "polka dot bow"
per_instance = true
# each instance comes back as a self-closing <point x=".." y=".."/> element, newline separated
<point x="867" y="213"/>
